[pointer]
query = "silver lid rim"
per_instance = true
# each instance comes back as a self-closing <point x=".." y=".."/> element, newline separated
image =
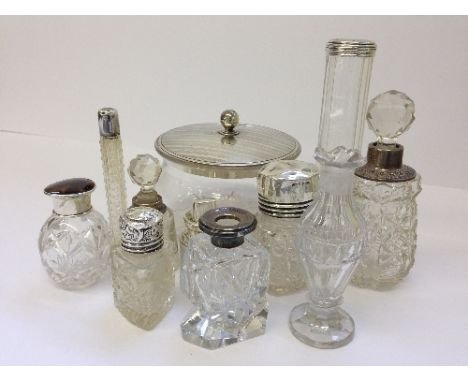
<point x="223" y="170"/>
<point x="350" y="47"/>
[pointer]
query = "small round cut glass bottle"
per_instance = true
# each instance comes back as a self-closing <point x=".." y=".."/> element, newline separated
<point x="385" y="191"/>
<point x="75" y="242"/>
<point x="142" y="269"/>
<point x="145" y="171"/>
<point x="227" y="280"/>
<point x="285" y="190"/>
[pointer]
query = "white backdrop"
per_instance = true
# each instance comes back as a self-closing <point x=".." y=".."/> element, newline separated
<point x="162" y="72"/>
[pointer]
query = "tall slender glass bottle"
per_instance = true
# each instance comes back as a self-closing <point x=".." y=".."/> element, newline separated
<point x="112" y="168"/>
<point x="332" y="233"/>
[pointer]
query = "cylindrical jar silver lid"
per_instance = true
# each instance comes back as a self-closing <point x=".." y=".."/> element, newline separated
<point x="141" y="229"/>
<point x="348" y="47"/>
<point x="285" y="188"/>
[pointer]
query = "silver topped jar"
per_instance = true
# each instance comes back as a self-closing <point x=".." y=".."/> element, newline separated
<point x="75" y="241"/>
<point x="218" y="160"/>
<point x="225" y="271"/>
<point x="285" y="190"/>
<point x="142" y="269"/>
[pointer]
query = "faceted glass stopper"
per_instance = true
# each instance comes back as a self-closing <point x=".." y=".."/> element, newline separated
<point x="389" y="115"/>
<point x="144" y="170"/>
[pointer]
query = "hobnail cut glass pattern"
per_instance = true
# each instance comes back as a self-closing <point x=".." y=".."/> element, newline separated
<point x="143" y="285"/>
<point x="390" y="212"/>
<point x="278" y="236"/>
<point x="227" y="287"/>
<point x="114" y="179"/>
<point x="75" y="249"/>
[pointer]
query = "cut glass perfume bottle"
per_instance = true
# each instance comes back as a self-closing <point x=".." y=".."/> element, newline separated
<point x="112" y="167"/>
<point x="75" y="241"/>
<point x="142" y="269"/>
<point x="226" y="271"/>
<point x="145" y="171"/>
<point x="285" y="190"/>
<point x="385" y="191"/>
<point x="332" y="232"/>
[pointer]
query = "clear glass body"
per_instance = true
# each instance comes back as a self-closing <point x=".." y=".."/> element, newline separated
<point x="390" y="212"/>
<point x="143" y="285"/>
<point x="170" y="236"/>
<point x="75" y="249"/>
<point x="179" y="189"/>
<point x="332" y="232"/>
<point x="329" y="243"/>
<point x="114" y="179"/>
<point x="227" y="287"/>
<point x="278" y="236"/>
<point x="344" y="103"/>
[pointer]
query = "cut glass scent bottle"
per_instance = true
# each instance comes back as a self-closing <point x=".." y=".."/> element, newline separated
<point x="385" y="191"/>
<point x="332" y="232"/>
<point x="145" y="170"/>
<point x="75" y="241"/>
<point x="285" y="190"/>
<point x="142" y="269"/>
<point x="227" y="279"/>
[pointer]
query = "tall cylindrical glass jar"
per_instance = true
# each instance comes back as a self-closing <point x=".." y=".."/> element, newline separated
<point x="332" y="233"/>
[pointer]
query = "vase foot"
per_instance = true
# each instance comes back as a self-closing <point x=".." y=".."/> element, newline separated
<point x="321" y="328"/>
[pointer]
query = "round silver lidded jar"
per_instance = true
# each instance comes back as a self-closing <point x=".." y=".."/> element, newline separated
<point x="75" y="241"/>
<point x="218" y="160"/>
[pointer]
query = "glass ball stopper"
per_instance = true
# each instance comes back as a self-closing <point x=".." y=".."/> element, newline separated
<point x="389" y="115"/>
<point x="145" y="171"/>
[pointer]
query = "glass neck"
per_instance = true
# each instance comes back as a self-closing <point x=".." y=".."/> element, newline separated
<point x="336" y="180"/>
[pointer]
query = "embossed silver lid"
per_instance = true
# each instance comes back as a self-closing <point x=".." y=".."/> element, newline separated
<point x="141" y="229"/>
<point x="286" y="188"/>
<point x="227" y="149"/>
<point x="351" y="47"/>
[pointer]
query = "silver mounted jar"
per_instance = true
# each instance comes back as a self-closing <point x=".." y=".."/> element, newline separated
<point x="285" y="190"/>
<point x="75" y="241"/>
<point x="226" y="275"/>
<point x="142" y="269"/>
<point x="218" y="160"/>
<point x="385" y="191"/>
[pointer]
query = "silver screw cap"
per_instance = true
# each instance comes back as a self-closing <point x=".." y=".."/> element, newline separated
<point x="285" y="188"/>
<point x="141" y="229"/>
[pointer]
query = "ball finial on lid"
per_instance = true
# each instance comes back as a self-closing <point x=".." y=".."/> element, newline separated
<point x="229" y="119"/>
<point x="389" y="115"/>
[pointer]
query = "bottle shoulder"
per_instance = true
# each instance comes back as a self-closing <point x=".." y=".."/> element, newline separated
<point x="200" y="248"/>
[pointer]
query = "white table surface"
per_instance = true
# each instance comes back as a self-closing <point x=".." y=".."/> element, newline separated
<point x="424" y="320"/>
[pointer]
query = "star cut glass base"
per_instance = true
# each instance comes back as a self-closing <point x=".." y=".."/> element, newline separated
<point x="324" y="328"/>
<point x="213" y="332"/>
